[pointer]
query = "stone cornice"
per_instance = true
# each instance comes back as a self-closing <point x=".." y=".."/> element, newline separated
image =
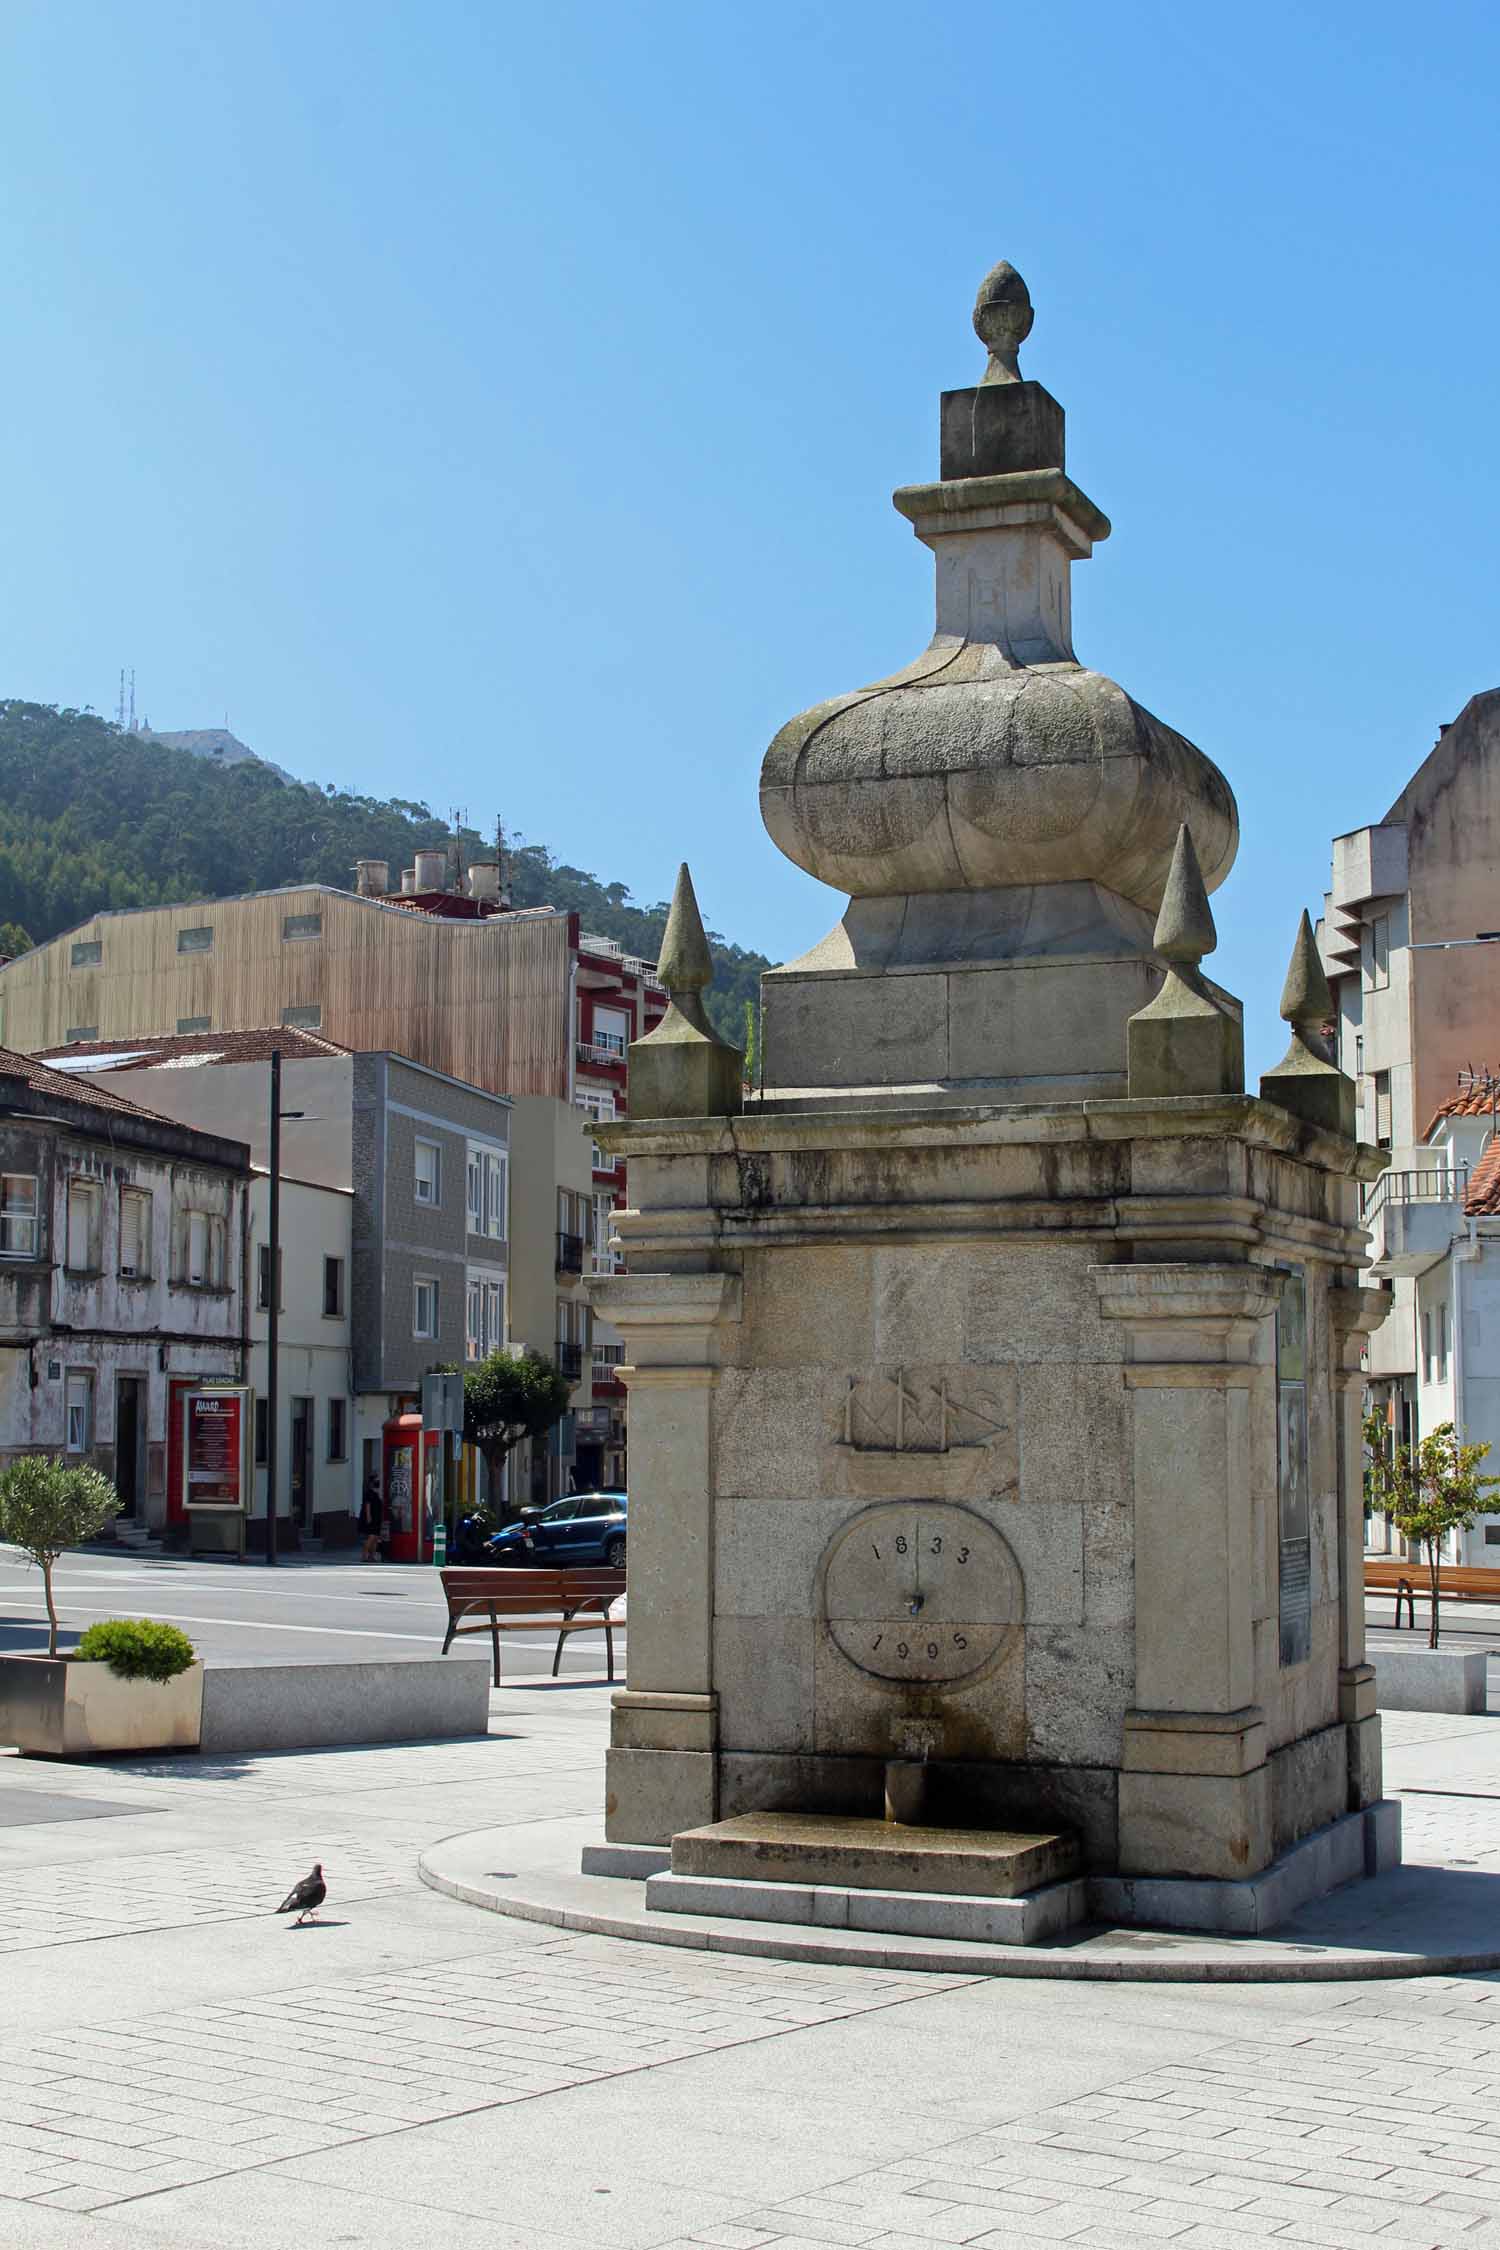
<point x="770" y="1126"/>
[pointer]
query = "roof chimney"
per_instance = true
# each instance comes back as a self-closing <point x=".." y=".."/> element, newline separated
<point x="484" y="881"/>
<point x="431" y="871"/>
<point x="408" y="880"/>
<point x="372" y="877"/>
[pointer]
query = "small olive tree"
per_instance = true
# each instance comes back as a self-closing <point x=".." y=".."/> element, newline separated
<point x="1427" y="1490"/>
<point x="46" y="1508"/>
<point x="510" y="1396"/>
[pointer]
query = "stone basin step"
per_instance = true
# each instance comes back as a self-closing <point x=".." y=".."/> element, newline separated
<point x="876" y="1855"/>
<point x="1035" y="1918"/>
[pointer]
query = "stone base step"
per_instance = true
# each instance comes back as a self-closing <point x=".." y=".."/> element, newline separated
<point x="1031" y="1918"/>
<point x="829" y="1849"/>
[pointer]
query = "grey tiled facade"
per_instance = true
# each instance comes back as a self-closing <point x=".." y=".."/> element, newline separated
<point x="401" y="1240"/>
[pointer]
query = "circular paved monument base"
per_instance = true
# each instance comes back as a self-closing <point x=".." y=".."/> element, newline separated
<point x="1414" y="1922"/>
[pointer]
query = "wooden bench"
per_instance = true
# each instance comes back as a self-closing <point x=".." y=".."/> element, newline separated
<point x="1410" y="1582"/>
<point x="520" y="1601"/>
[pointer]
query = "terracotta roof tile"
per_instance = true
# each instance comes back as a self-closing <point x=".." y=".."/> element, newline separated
<point x="1479" y="1102"/>
<point x="1483" y="1198"/>
<point x="62" y="1086"/>
<point x="224" y="1046"/>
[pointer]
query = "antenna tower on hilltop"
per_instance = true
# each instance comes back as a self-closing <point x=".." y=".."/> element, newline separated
<point x="126" y="711"/>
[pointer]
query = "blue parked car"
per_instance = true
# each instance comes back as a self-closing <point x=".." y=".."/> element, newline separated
<point x="587" y="1527"/>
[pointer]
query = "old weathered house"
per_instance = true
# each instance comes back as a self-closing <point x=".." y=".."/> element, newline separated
<point x="122" y="1261"/>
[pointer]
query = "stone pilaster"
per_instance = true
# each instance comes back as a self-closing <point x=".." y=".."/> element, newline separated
<point x="664" y="1725"/>
<point x="1354" y="1314"/>
<point x="1195" y="1795"/>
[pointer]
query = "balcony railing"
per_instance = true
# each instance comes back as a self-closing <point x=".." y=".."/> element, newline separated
<point x="569" y="1360"/>
<point x="1440" y="1183"/>
<point x="570" y="1253"/>
<point x="604" y="1047"/>
<point x="607" y="1364"/>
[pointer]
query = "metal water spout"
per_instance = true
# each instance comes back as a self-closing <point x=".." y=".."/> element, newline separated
<point x="906" y="1774"/>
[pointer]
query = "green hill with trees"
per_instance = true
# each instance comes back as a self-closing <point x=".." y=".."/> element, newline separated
<point x="93" y="817"/>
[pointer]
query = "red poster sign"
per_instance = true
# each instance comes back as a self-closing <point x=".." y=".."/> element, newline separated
<point x="214" y="1449"/>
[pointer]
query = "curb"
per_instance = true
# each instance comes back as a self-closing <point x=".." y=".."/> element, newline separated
<point x="1300" y="1965"/>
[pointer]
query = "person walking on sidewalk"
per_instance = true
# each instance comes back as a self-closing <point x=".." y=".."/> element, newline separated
<point x="371" y="1509"/>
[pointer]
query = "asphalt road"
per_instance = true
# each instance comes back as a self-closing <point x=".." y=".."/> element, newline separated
<point x="300" y="1612"/>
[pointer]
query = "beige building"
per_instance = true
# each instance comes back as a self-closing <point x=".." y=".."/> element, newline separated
<point x="1408" y="939"/>
<point x="551" y="1250"/>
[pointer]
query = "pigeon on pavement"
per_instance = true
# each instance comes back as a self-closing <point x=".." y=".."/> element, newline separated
<point x="307" y="1896"/>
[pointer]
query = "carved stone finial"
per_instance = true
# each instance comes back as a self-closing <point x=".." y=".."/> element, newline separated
<point x="683" y="1068"/>
<point x="1184" y="925"/>
<point x="1306" y="1080"/>
<point x="1002" y="321"/>
<point x="1189" y="1039"/>
<point x="1306" y="1002"/>
<point x="686" y="965"/>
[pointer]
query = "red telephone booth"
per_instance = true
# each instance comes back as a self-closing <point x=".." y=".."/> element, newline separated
<point x="410" y="1468"/>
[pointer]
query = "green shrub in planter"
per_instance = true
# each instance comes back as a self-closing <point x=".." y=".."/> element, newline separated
<point x="136" y="1648"/>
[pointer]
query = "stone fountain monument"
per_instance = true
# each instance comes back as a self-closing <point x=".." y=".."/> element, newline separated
<point x="996" y="1555"/>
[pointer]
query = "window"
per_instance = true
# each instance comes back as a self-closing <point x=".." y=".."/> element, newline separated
<point x="1443" y="1341"/>
<point x="496" y="1194"/>
<point x="428" y="1172"/>
<point x="1427" y="1347"/>
<point x="87" y="953"/>
<point x="424" y="1307"/>
<point x="487" y="1192"/>
<point x="82" y="1253"/>
<point x="602" y="1259"/>
<point x="200" y="1249"/>
<point x="301" y="1019"/>
<point x="572" y="1337"/>
<point x="611" y="1030"/>
<point x="607" y="1357"/>
<point x="135" y="1233"/>
<point x="263" y="1278"/>
<point x="261" y="1424"/>
<point x="78" y="1410"/>
<point x="18" y="1215"/>
<point x="1383" y="1108"/>
<point x="77" y="1032"/>
<point x="333" y="1288"/>
<point x="198" y="940"/>
<point x="301" y="926"/>
<point x="599" y="1104"/>
<point x="484" y="1317"/>
<point x="1380" y="953"/>
<point x="195" y="1023"/>
<point x="338" y="1446"/>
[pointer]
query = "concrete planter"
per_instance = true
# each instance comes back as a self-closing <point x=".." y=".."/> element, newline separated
<point x="1429" y="1679"/>
<point x="249" y="1707"/>
<point x="55" y="1707"/>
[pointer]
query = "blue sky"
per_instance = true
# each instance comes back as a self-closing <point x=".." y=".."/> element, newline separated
<point x="500" y="405"/>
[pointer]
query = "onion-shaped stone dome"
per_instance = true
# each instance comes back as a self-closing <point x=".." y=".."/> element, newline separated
<point x="996" y="760"/>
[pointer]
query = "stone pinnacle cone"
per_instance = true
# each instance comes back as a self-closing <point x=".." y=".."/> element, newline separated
<point x="1306" y="1002"/>
<point x="1185" y="926"/>
<point x="686" y="965"/>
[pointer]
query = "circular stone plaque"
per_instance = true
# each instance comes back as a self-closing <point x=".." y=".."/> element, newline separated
<point x="920" y="1593"/>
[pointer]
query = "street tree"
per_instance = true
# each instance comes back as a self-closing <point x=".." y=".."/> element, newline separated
<point x="1427" y="1490"/>
<point x="46" y="1508"/>
<point x="508" y="1397"/>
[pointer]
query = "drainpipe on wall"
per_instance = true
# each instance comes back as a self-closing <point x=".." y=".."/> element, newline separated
<point x="244" y="1375"/>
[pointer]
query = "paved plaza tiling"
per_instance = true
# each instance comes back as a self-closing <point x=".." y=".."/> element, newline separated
<point x="179" y="2068"/>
